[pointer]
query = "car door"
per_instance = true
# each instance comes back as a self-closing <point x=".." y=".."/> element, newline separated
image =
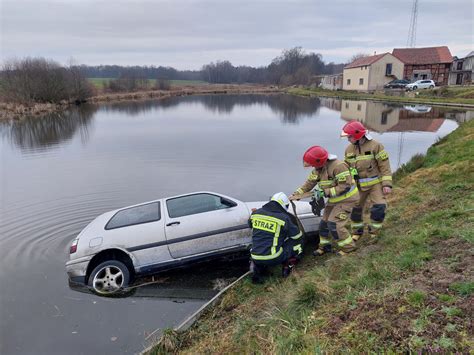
<point x="425" y="84"/>
<point x="205" y="222"/>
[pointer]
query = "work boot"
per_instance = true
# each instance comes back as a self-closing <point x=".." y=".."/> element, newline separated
<point x="257" y="279"/>
<point x="373" y="238"/>
<point x="286" y="270"/>
<point x="322" y="250"/>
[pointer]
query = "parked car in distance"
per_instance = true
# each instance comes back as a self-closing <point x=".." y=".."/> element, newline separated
<point x="161" y="235"/>
<point x="417" y="108"/>
<point x="421" y="84"/>
<point x="397" y="84"/>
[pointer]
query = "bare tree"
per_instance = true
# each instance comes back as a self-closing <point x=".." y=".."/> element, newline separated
<point x="358" y="56"/>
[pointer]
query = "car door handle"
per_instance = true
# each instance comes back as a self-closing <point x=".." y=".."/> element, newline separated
<point x="172" y="223"/>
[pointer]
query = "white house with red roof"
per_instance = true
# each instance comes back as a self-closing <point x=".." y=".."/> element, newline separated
<point x="372" y="73"/>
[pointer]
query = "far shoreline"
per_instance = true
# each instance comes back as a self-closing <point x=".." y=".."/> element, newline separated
<point x="14" y="111"/>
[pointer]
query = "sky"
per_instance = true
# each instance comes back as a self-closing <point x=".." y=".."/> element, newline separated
<point x="186" y="34"/>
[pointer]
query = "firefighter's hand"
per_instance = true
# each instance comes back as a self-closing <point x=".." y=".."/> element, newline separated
<point x="387" y="190"/>
<point x="293" y="197"/>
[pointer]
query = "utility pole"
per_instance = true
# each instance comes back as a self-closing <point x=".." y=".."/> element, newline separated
<point x="411" y="42"/>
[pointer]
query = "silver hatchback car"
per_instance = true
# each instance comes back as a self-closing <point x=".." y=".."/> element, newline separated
<point x="163" y="234"/>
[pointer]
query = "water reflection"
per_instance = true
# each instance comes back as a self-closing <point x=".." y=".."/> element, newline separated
<point x="291" y="109"/>
<point x="46" y="132"/>
<point x="386" y="117"/>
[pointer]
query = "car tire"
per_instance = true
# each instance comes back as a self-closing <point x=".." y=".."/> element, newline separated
<point x="109" y="278"/>
<point x="414" y="88"/>
<point x="431" y="87"/>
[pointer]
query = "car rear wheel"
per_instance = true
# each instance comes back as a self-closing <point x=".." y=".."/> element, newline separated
<point x="431" y="87"/>
<point x="109" y="277"/>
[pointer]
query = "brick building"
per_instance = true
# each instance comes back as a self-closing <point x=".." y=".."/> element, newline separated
<point x="425" y="63"/>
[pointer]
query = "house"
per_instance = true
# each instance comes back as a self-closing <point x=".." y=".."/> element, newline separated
<point x="375" y="116"/>
<point x="332" y="82"/>
<point x="462" y="69"/>
<point x="425" y="63"/>
<point x="372" y="73"/>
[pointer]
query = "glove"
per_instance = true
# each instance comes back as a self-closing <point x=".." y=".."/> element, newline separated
<point x="318" y="193"/>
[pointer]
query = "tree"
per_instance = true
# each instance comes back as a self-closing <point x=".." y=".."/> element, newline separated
<point x="358" y="56"/>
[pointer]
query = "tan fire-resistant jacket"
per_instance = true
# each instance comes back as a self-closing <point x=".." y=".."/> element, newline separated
<point x="334" y="178"/>
<point x="372" y="163"/>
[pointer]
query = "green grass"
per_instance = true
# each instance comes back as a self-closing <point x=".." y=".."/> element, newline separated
<point x="374" y="300"/>
<point x="101" y="82"/>
<point x="455" y="96"/>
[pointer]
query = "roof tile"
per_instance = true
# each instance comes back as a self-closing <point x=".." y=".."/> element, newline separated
<point x="427" y="55"/>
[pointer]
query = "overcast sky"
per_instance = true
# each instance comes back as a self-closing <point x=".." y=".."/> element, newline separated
<point x="186" y="34"/>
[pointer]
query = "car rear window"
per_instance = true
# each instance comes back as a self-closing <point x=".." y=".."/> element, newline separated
<point x="135" y="215"/>
<point x="193" y="204"/>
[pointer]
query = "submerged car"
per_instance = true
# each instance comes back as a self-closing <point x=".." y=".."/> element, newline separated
<point x="161" y="235"/>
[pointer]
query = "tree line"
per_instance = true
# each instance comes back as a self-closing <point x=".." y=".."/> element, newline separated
<point x="30" y="80"/>
<point x="293" y="66"/>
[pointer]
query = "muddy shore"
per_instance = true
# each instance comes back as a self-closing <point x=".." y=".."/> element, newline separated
<point x="14" y="111"/>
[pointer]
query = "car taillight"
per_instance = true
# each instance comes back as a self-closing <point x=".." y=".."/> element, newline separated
<point x="73" y="247"/>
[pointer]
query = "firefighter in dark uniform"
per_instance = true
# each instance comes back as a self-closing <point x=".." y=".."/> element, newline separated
<point x="276" y="238"/>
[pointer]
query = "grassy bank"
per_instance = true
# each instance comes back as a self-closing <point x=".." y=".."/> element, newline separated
<point x="445" y="95"/>
<point x="99" y="83"/>
<point x="412" y="291"/>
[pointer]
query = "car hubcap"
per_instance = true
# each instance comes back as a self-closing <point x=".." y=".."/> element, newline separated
<point x="109" y="279"/>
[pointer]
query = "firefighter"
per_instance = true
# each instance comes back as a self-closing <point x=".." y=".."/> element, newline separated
<point x="370" y="166"/>
<point x="335" y="182"/>
<point x="276" y="238"/>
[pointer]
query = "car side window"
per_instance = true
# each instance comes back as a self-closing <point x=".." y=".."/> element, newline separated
<point x="135" y="215"/>
<point x="197" y="203"/>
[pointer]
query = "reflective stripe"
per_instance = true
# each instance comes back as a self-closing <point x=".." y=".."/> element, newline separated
<point x="343" y="176"/>
<point x="267" y="257"/>
<point x="348" y="194"/>
<point x="298" y="248"/>
<point x="375" y="225"/>
<point x="300" y="190"/>
<point x="324" y="241"/>
<point x="332" y="191"/>
<point x="357" y="225"/>
<point x="297" y="236"/>
<point x="364" y="157"/>
<point x="346" y="241"/>
<point x="325" y="183"/>
<point x="353" y="171"/>
<point x="382" y="155"/>
<point x="386" y="178"/>
<point x="273" y="219"/>
<point x="350" y="160"/>
<point x="369" y="181"/>
<point x="313" y="176"/>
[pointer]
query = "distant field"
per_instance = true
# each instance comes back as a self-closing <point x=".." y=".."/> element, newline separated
<point x="99" y="82"/>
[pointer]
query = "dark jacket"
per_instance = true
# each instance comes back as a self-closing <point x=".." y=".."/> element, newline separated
<point x="271" y="227"/>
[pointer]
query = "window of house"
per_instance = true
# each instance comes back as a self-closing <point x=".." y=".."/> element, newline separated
<point x="198" y="203"/>
<point x="135" y="215"/>
<point x="388" y="69"/>
<point x="348" y="81"/>
<point x="359" y="107"/>
<point x="459" y="67"/>
<point x="384" y="118"/>
<point x="361" y="81"/>
<point x="347" y="105"/>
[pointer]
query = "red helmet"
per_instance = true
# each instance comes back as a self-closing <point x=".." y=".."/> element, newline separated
<point x="315" y="156"/>
<point x="353" y="129"/>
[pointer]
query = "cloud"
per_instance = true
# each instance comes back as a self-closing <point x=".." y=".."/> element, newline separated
<point x="189" y="33"/>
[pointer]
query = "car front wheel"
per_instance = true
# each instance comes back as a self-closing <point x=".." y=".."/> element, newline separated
<point x="415" y="87"/>
<point x="109" y="277"/>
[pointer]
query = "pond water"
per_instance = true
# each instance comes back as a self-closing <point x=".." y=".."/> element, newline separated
<point x="61" y="171"/>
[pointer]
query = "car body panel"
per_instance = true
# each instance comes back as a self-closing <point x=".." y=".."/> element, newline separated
<point x="157" y="245"/>
<point x="421" y="84"/>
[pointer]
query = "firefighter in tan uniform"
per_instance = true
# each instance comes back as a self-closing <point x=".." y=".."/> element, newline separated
<point x="335" y="182"/>
<point x="371" y="168"/>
